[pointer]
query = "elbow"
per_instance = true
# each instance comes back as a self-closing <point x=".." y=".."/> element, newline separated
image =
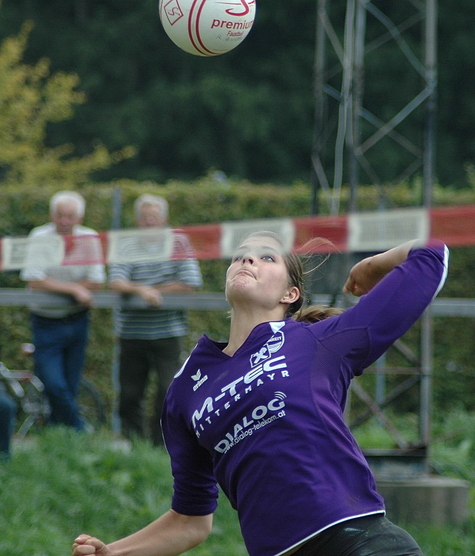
<point x="201" y="529"/>
<point x="185" y="288"/>
<point x="36" y="284"/>
<point x="116" y="286"/>
<point x="97" y="286"/>
<point x="205" y="530"/>
<point x="199" y="537"/>
<point x="198" y="527"/>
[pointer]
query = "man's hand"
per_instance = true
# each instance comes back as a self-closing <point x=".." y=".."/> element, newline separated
<point x="151" y="296"/>
<point x="82" y="295"/>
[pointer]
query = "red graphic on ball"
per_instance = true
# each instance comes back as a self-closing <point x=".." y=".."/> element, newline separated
<point x="207" y="27"/>
<point x="173" y="11"/>
<point x="245" y="5"/>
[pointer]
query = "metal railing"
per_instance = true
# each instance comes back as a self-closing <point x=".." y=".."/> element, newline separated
<point x="201" y="301"/>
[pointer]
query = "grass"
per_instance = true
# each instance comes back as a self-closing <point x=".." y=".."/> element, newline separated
<point x="62" y="483"/>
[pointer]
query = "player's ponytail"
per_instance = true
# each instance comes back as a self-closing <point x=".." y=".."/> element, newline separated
<point x="297" y="272"/>
<point x="315" y="313"/>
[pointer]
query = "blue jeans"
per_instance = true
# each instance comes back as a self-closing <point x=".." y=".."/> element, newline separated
<point x="60" y="352"/>
<point x="7" y="422"/>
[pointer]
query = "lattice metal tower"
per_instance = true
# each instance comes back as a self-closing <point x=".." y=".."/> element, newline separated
<point x="366" y="133"/>
<point x="358" y="132"/>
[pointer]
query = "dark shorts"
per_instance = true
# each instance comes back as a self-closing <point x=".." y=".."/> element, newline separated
<point x="373" y="535"/>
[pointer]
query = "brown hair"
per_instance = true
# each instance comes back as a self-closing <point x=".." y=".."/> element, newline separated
<point x="296" y="273"/>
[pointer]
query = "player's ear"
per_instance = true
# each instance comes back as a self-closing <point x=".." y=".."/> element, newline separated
<point x="291" y="296"/>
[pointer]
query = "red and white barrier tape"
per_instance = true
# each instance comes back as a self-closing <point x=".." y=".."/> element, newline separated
<point x="357" y="232"/>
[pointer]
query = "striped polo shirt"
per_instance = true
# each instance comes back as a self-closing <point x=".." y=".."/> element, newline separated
<point x="150" y="323"/>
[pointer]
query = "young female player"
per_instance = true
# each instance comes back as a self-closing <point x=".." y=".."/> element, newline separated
<point x="262" y="415"/>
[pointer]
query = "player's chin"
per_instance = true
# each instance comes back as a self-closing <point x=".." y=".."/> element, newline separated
<point x="240" y="282"/>
<point x="238" y="290"/>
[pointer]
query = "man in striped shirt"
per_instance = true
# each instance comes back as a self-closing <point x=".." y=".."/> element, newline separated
<point x="151" y="338"/>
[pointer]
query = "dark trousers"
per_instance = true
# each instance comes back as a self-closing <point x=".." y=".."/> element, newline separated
<point x="364" y="536"/>
<point x="138" y="358"/>
<point x="60" y="352"/>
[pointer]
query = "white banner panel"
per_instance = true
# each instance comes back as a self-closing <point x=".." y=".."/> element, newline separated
<point x="36" y="252"/>
<point x="140" y="245"/>
<point x="232" y="233"/>
<point x="379" y="231"/>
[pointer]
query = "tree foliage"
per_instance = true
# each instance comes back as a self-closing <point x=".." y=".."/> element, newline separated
<point x="249" y="113"/>
<point x="31" y="98"/>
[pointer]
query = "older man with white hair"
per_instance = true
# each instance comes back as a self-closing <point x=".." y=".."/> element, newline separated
<point x="60" y="334"/>
<point x="151" y="339"/>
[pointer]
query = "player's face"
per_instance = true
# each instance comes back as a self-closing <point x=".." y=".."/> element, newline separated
<point x="150" y="217"/>
<point x="65" y="218"/>
<point x="257" y="274"/>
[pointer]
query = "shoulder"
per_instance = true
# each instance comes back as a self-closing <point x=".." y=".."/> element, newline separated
<point x="80" y="230"/>
<point x="45" y="229"/>
<point x="121" y="267"/>
<point x="318" y="329"/>
<point x="206" y="351"/>
<point x="181" y="244"/>
<point x="190" y="376"/>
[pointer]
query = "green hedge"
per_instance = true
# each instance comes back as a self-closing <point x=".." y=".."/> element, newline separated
<point x="209" y="200"/>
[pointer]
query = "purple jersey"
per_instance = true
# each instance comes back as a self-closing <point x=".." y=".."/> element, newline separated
<point x="267" y="423"/>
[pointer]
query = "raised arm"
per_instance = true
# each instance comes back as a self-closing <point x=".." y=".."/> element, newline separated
<point x="169" y="535"/>
<point x="396" y="287"/>
<point x="368" y="272"/>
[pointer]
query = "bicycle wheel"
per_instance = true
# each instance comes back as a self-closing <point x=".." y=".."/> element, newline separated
<point x="91" y="404"/>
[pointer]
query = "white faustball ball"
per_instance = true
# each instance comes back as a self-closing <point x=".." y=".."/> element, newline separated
<point x="207" y="27"/>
